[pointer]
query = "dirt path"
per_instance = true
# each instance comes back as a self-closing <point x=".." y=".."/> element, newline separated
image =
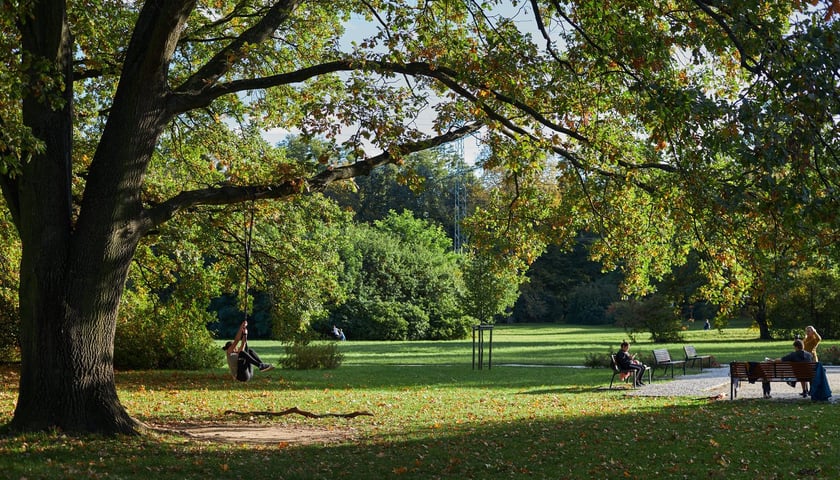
<point x="261" y="433"/>
<point x="715" y="382"/>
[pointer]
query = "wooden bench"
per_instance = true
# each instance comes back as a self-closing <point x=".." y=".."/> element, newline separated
<point x="661" y="358"/>
<point x="768" y="371"/>
<point x="691" y="356"/>
<point x="624" y="374"/>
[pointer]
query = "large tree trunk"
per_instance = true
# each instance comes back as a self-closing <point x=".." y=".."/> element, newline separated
<point x="67" y="377"/>
<point x="72" y="276"/>
<point x="760" y="317"/>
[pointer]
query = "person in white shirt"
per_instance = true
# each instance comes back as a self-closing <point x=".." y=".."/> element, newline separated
<point x="241" y="358"/>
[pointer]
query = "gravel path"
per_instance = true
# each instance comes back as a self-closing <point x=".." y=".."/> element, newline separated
<point x="715" y="381"/>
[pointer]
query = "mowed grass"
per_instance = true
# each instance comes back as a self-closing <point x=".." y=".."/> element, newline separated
<point x="434" y="416"/>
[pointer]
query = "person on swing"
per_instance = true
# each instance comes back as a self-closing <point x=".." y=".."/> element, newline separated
<point x="241" y="358"/>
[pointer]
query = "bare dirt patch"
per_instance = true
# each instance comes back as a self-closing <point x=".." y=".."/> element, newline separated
<point x="260" y="433"/>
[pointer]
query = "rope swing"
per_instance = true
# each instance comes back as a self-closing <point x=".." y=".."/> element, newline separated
<point x="249" y="234"/>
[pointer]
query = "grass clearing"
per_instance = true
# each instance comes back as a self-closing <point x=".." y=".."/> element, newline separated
<point x="436" y="417"/>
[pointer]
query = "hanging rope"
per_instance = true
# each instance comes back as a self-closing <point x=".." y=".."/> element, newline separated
<point x="249" y="231"/>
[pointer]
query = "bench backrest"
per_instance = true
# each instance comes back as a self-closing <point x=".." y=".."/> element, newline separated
<point x="690" y="351"/>
<point x="614" y="364"/>
<point x="739" y="369"/>
<point x="661" y="356"/>
<point x="773" y="370"/>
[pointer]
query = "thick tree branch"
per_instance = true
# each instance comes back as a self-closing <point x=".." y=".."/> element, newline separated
<point x="754" y="69"/>
<point x="154" y="39"/>
<point x="183" y="100"/>
<point x="548" y="43"/>
<point x="208" y="75"/>
<point x="231" y="194"/>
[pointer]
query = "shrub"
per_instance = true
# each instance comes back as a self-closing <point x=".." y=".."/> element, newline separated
<point x="451" y="328"/>
<point x="303" y="355"/>
<point x="163" y="337"/>
<point x="597" y="360"/>
<point x="653" y="314"/>
<point x="810" y="297"/>
<point x="830" y="355"/>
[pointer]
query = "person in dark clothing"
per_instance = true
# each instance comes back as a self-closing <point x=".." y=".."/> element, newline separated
<point x="627" y="361"/>
<point x="797" y="355"/>
<point x="241" y="358"/>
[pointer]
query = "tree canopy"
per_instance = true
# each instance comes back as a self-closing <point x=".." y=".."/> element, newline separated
<point x="662" y="125"/>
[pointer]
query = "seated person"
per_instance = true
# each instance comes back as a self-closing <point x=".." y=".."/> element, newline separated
<point x="797" y="355"/>
<point x="241" y="358"/>
<point x="627" y="361"/>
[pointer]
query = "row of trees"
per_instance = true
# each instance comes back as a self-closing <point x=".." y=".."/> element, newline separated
<point x="567" y="287"/>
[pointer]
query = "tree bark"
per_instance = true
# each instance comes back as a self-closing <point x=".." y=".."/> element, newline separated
<point x="761" y="319"/>
<point x="72" y="276"/>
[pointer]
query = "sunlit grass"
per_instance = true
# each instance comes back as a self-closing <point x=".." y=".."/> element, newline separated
<point x="434" y="416"/>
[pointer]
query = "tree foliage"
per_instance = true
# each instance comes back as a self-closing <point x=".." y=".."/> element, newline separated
<point x="807" y="297"/>
<point x="664" y="126"/>
<point x="9" y="311"/>
<point x="653" y="314"/>
<point x="402" y="280"/>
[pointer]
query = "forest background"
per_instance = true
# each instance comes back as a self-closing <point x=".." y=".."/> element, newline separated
<point x="380" y="263"/>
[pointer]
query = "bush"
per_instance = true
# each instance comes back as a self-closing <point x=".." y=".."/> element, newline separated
<point x="389" y="320"/>
<point x="163" y="337"/>
<point x="451" y="328"/>
<point x="303" y="355"/>
<point x="597" y="360"/>
<point x="653" y="314"/>
<point x="811" y="297"/>
<point x="830" y="355"/>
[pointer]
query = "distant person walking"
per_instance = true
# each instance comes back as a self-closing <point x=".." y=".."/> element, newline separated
<point x="707" y="325"/>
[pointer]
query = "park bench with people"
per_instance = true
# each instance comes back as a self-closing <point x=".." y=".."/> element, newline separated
<point x="691" y="356"/>
<point x="623" y="375"/>
<point x="662" y="358"/>
<point x="768" y="371"/>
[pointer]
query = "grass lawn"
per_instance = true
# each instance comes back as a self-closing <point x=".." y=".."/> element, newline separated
<point x="436" y="417"/>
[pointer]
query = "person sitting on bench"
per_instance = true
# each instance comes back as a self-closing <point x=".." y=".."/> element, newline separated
<point x="627" y="361"/>
<point x="241" y="358"/>
<point x="797" y="355"/>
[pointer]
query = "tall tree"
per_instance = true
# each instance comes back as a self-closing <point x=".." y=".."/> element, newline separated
<point x="181" y="68"/>
<point x="645" y="108"/>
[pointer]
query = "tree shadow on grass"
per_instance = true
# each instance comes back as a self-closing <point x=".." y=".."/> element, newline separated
<point x="632" y="439"/>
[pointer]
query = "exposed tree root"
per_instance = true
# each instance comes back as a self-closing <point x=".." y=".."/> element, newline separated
<point x="300" y="412"/>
